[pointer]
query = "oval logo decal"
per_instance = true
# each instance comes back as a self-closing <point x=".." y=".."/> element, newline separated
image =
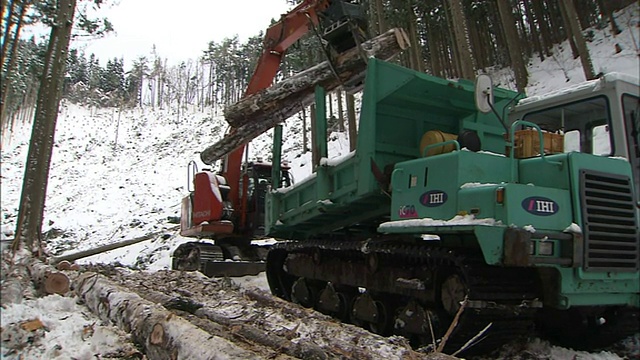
<point x="433" y="198"/>
<point x="540" y="206"/>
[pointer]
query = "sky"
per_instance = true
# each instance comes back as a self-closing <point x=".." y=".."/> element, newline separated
<point x="180" y="30"/>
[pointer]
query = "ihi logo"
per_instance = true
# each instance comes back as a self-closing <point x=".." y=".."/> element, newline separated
<point x="540" y="206"/>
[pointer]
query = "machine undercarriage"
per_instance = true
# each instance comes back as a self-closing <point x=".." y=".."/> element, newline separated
<point x="396" y="286"/>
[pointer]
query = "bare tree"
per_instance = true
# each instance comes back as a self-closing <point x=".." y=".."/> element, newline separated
<point x="34" y="187"/>
<point x="351" y="120"/>
<point x="513" y="43"/>
<point x="574" y="24"/>
<point x="460" y="32"/>
<point x="9" y="52"/>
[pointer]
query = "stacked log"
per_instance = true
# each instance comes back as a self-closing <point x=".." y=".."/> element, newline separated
<point x="162" y="334"/>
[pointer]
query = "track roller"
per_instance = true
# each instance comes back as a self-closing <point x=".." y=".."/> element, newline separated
<point x="372" y="312"/>
<point x="305" y="292"/>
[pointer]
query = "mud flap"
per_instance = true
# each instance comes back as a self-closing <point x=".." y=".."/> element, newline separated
<point x="517" y="247"/>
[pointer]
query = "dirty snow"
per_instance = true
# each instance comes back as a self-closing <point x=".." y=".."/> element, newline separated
<point x="69" y="331"/>
<point x="457" y="220"/>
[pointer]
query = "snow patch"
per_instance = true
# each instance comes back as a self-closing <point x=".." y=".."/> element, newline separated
<point x="457" y="220"/>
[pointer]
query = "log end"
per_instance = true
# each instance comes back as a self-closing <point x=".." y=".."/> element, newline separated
<point x="157" y="335"/>
<point x="402" y="38"/>
<point x="64" y="265"/>
<point x="56" y="283"/>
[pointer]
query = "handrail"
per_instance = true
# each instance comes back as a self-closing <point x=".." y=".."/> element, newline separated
<point x="511" y="143"/>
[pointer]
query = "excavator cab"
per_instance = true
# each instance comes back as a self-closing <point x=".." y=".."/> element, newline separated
<point x="258" y="177"/>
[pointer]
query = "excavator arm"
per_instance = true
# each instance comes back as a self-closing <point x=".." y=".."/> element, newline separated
<point x="278" y="38"/>
<point x="219" y="207"/>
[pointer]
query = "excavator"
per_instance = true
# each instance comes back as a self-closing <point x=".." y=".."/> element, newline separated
<point x="228" y="207"/>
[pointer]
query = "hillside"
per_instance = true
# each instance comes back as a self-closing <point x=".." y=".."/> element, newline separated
<point x="118" y="175"/>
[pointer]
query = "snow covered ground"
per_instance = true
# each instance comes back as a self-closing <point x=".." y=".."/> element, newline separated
<point x="116" y="176"/>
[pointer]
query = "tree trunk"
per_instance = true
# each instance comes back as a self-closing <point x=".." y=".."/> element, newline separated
<point x="34" y="188"/>
<point x="568" y="29"/>
<point x="607" y="12"/>
<point x="434" y="42"/>
<point x="221" y="325"/>
<point x="583" y="51"/>
<point x="305" y="144"/>
<point x="9" y="60"/>
<point x="382" y="26"/>
<point x="537" y="45"/>
<point x="450" y="50"/>
<point x="513" y="44"/>
<point x="545" y="33"/>
<point x="351" y="119"/>
<point x="460" y="33"/>
<point x="315" y="158"/>
<point x="340" y="110"/>
<point x="415" y="50"/>
<point x="9" y="9"/>
<point x="521" y="34"/>
<point x="261" y="111"/>
<point x="162" y="334"/>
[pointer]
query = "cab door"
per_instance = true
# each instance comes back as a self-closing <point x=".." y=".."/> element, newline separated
<point x="631" y="108"/>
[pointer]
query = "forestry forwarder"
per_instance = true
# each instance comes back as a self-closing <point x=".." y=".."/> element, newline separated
<point x="228" y="207"/>
<point x="492" y="218"/>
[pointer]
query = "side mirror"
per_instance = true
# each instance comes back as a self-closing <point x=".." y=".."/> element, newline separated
<point x="484" y="93"/>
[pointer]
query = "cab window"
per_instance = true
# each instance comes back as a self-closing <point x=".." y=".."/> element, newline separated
<point x="585" y="125"/>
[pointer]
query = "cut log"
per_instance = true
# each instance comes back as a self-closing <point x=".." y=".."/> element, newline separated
<point x="232" y="328"/>
<point x="47" y="279"/>
<point x="105" y="248"/>
<point x="259" y="112"/>
<point x="63" y="265"/>
<point x="16" y="281"/>
<point x="162" y="334"/>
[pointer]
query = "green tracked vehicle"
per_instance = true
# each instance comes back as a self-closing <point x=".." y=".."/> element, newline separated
<point x="512" y="214"/>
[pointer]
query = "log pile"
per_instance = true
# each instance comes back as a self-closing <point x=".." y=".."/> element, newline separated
<point x="172" y="314"/>
<point x="259" y="112"/>
<point x="162" y="334"/>
<point x="261" y="322"/>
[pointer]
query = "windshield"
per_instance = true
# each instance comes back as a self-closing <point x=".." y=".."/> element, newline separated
<point x="585" y="125"/>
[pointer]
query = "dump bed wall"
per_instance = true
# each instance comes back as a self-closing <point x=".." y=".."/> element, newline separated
<point x="398" y="106"/>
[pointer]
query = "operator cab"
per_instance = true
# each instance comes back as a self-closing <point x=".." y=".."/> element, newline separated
<point x="589" y="123"/>
<point x="258" y="177"/>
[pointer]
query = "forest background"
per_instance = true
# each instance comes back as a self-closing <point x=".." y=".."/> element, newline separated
<point x="450" y="38"/>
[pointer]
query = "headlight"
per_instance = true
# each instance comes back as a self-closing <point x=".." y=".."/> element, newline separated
<point x="545" y="248"/>
<point x="532" y="247"/>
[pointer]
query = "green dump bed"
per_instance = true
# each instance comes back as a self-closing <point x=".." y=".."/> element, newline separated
<point x="398" y="107"/>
